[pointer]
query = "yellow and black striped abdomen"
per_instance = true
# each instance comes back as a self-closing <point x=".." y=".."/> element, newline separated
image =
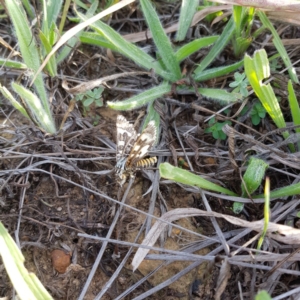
<point x="146" y="162"/>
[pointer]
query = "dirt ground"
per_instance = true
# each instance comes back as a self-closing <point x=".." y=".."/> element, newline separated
<point x="55" y="211"/>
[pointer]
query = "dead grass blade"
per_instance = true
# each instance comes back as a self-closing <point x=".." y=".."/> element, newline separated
<point x="89" y="85"/>
<point x="283" y="11"/>
<point x="223" y="278"/>
<point x="286" y="17"/>
<point x="282" y="233"/>
<point x="287" y="5"/>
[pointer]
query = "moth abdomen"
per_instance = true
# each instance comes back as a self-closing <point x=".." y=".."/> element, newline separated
<point x="146" y="162"/>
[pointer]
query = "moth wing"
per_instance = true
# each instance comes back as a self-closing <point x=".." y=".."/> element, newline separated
<point x="143" y="144"/>
<point x="126" y="136"/>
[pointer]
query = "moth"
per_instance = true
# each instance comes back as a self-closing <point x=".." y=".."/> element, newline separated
<point x="132" y="148"/>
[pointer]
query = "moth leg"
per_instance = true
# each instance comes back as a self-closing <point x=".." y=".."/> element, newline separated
<point x="121" y="179"/>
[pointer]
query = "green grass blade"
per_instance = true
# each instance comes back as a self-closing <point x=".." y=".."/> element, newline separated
<point x="6" y="93"/>
<point x="26" y="42"/>
<point x="220" y="95"/>
<point x="129" y="50"/>
<point x="257" y="69"/>
<point x="219" y="45"/>
<point x="93" y="38"/>
<point x="51" y="9"/>
<point x="29" y="9"/>
<point x="28" y="48"/>
<point x="64" y="15"/>
<point x="294" y="105"/>
<point x="187" y="12"/>
<point x="266" y="214"/>
<point x="253" y="176"/>
<point x="243" y="19"/>
<point x="51" y="65"/>
<point x="241" y="44"/>
<point x="250" y="20"/>
<point x="217" y="72"/>
<point x="252" y="179"/>
<point x="34" y="104"/>
<point x="12" y="64"/>
<point x="194" y="46"/>
<point x="141" y="99"/>
<point x="26" y="284"/>
<point x="279" y="46"/>
<point x="290" y="190"/>
<point x="182" y="176"/>
<point x="238" y="15"/>
<point x="160" y="39"/>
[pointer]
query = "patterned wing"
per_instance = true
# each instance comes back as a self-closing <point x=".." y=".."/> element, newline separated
<point x="142" y="145"/>
<point x="126" y="136"/>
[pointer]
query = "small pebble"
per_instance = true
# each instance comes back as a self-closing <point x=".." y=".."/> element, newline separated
<point x="60" y="260"/>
